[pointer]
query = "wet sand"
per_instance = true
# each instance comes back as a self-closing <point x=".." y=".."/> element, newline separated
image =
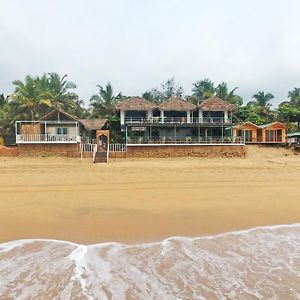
<point x="145" y="200"/>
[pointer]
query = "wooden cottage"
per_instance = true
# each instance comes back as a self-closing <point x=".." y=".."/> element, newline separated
<point x="246" y="132"/>
<point x="267" y="133"/>
<point x="273" y="133"/>
<point x="58" y="131"/>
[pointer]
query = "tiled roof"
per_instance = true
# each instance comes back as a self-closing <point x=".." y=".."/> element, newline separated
<point x="177" y="104"/>
<point x="135" y="103"/>
<point x="216" y="104"/>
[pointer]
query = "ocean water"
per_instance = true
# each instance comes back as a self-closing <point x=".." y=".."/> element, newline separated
<point x="260" y="263"/>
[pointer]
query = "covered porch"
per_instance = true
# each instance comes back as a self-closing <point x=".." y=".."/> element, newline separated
<point x="176" y="134"/>
<point x="47" y="132"/>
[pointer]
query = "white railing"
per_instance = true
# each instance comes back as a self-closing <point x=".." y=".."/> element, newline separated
<point x="107" y="154"/>
<point x="178" y="120"/>
<point x="188" y="140"/>
<point x="95" y="152"/>
<point x="47" y="138"/>
<point x="117" y="148"/>
<point x="87" y="147"/>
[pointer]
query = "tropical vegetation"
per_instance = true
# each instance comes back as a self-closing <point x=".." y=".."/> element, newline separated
<point x="36" y="95"/>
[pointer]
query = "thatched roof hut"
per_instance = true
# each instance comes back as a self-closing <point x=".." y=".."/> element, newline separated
<point x="216" y="104"/>
<point x="177" y="104"/>
<point x="135" y="103"/>
<point x="93" y="124"/>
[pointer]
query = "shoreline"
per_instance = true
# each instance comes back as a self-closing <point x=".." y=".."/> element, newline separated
<point x="146" y="200"/>
<point x="150" y="243"/>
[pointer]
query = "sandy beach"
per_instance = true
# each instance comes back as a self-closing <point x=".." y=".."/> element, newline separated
<point x="141" y="200"/>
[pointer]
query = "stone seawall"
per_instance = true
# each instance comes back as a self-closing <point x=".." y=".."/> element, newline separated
<point x="186" y="150"/>
<point x="72" y="150"/>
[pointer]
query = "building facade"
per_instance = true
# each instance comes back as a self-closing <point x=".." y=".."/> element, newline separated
<point x="176" y="121"/>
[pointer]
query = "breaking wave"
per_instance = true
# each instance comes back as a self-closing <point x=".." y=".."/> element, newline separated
<point x="260" y="263"/>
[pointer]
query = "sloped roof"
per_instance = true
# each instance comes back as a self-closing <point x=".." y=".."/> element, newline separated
<point x="272" y="124"/>
<point x="54" y="115"/>
<point x="177" y="104"/>
<point x="88" y="124"/>
<point x="93" y="124"/>
<point x="246" y="124"/>
<point x="293" y="134"/>
<point x="216" y="104"/>
<point x="135" y="103"/>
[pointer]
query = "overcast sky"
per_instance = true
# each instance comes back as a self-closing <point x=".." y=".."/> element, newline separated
<point x="137" y="44"/>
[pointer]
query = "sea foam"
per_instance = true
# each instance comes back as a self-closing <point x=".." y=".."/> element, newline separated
<point x="259" y="263"/>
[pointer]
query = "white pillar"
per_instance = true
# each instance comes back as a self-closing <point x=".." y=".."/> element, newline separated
<point x="162" y="115"/>
<point x="122" y="117"/>
<point x="149" y="114"/>
<point x="200" y="115"/>
<point x="188" y="116"/>
<point x="225" y="116"/>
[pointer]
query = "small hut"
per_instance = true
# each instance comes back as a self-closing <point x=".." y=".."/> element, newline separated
<point x="293" y="138"/>
<point x="273" y="132"/>
<point x="267" y="133"/>
<point x="246" y="132"/>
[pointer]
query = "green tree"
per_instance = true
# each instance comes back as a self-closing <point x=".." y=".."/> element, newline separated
<point x="262" y="100"/>
<point x="223" y="93"/>
<point x="294" y="97"/>
<point x="104" y="103"/>
<point x="202" y="90"/>
<point x="167" y="89"/>
<point x="248" y="113"/>
<point x="28" y="96"/>
<point x="153" y="95"/>
<point x="58" y="90"/>
<point x="171" y="89"/>
<point x="262" y="106"/>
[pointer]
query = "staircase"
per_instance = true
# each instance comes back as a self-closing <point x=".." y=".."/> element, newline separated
<point x="100" y="155"/>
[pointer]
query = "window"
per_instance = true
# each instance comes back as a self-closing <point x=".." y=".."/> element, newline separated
<point x="62" y="130"/>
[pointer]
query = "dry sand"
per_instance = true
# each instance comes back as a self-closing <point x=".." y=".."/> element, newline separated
<point x="146" y="199"/>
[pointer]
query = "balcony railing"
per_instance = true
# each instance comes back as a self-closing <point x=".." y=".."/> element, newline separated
<point x="47" y="138"/>
<point x="177" y="120"/>
<point x="194" y="140"/>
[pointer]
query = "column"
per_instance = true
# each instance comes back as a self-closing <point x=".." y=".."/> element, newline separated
<point x="126" y="135"/>
<point x="122" y="117"/>
<point x="149" y="115"/>
<point x="188" y="116"/>
<point x="225" y="116"/>
<point x="200" y="115"/>
<point x="162" y="115"/>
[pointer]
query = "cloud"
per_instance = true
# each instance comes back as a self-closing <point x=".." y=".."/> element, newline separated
<point x="138" y="44"/>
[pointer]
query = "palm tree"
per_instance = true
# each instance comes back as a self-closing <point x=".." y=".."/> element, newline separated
<point x="223" y="93"/>
<point x="104" y="103"/>
<point x="28" y="96"/>
<point x="262" y="100"/>
<point x="262" y="105"/>
<point x="57" y="90"/>
<point x="294" y="96"/>
<point x="203" y="89"/>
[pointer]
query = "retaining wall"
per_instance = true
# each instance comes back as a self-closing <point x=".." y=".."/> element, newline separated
<point x="69" y="150"/>
<point x="216" y="150"/>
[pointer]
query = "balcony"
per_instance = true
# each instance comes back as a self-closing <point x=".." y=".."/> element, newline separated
<point x="177" y="120"/>
<point x="185" y="141"/>
<point x="47" y="138"/>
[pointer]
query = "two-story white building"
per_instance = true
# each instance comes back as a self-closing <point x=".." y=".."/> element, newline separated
<point x="175" y="121"/>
